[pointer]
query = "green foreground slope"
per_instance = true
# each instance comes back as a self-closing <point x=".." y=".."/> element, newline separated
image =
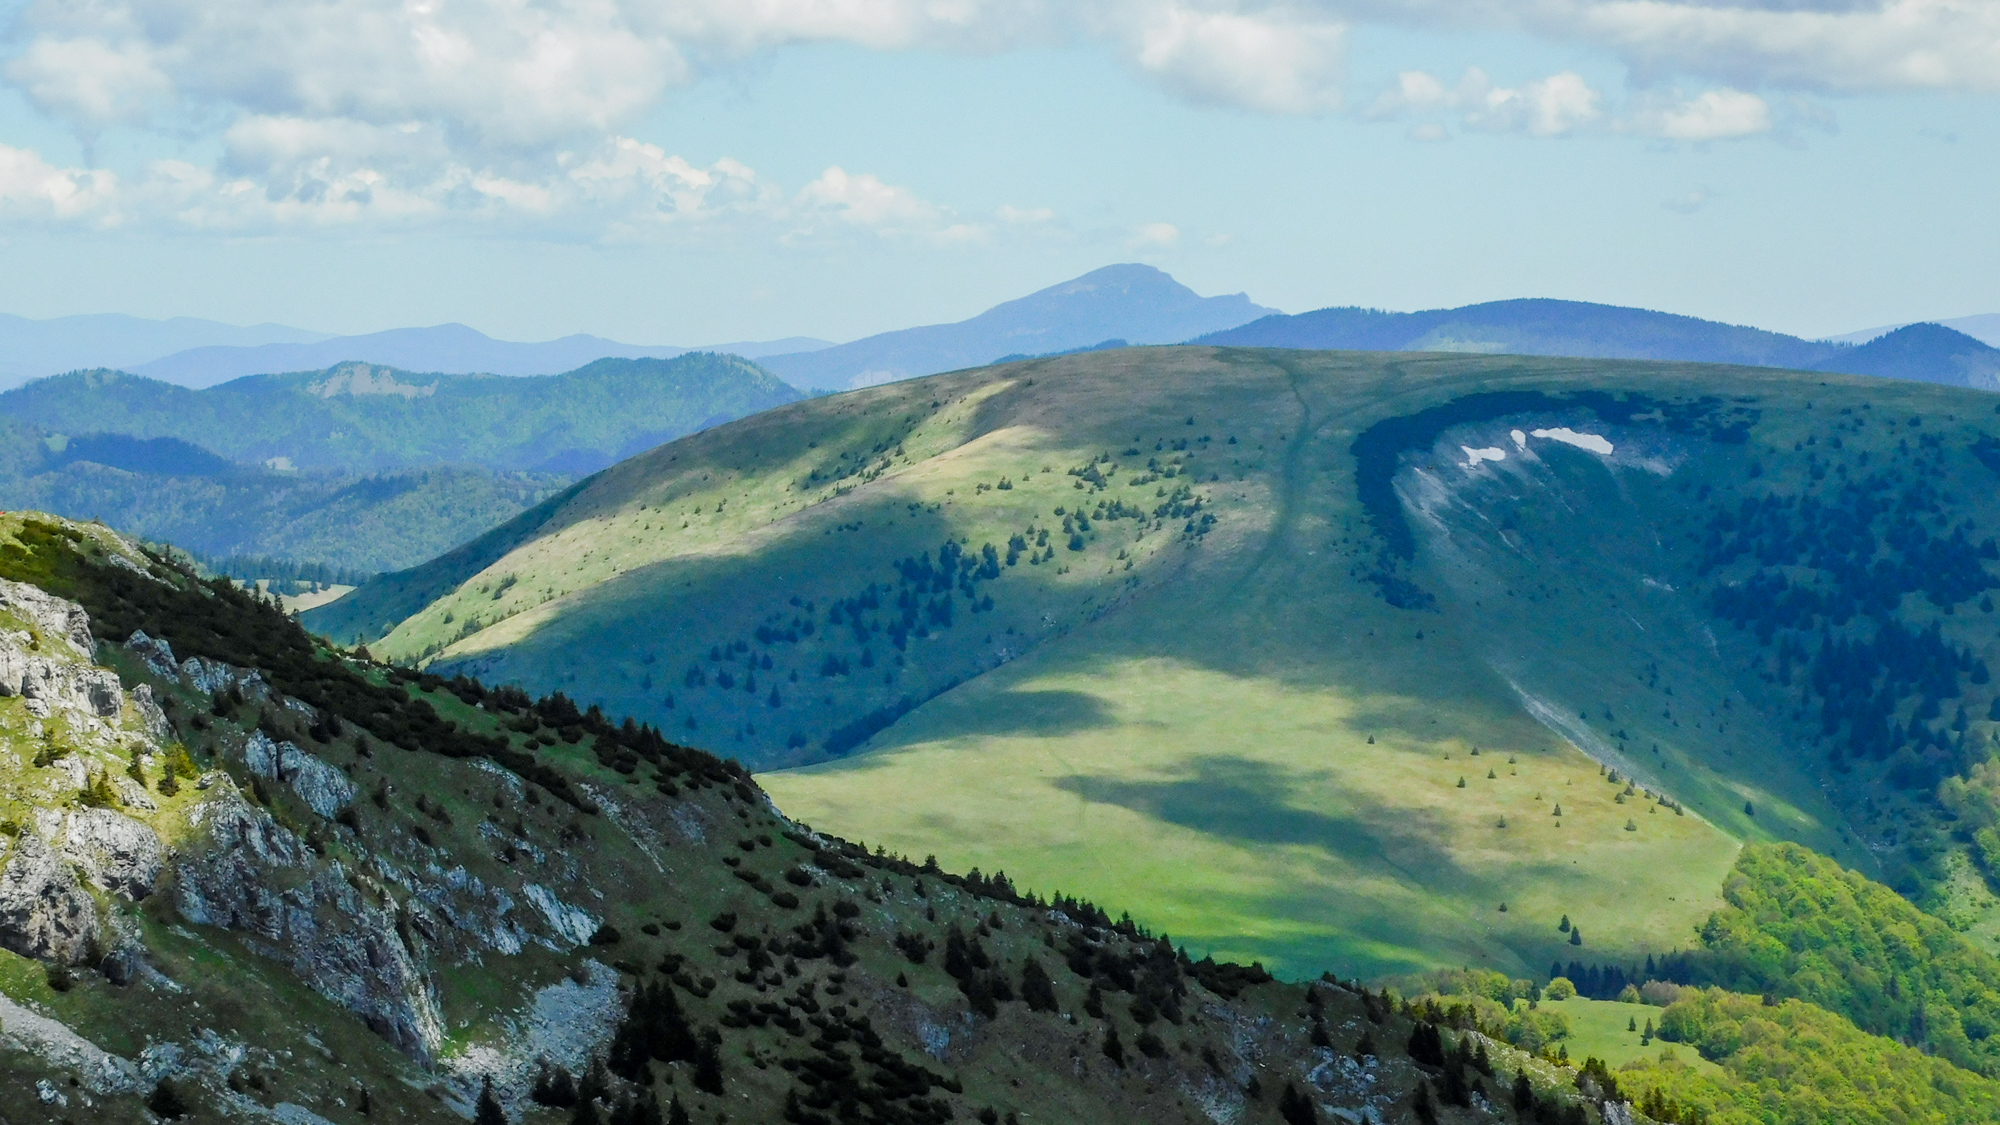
<point x="269" y="882"/>
<point x="1249" y="618"/>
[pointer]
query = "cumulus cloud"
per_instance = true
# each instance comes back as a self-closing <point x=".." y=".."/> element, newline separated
<point x="1709" y="116"/>
<point x="1274" y="62"/>
<point x="1548" y="107"/>
<point x="327" y="111"/>
<point x="1563" y="104"/>
<point x="33" y="189"/>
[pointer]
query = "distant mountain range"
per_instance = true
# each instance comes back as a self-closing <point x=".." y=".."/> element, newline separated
<point x="359" y="417"/>
<point x="1984" y="328"/>
<point x="201" y="353"/>
<point x="1134" y="303"/>
<point x="30" y="349"/>
<point x="446" y="348"/>
<point x="1927" y="352"/>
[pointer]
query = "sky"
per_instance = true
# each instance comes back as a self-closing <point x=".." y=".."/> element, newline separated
<point x="699" y="171"/>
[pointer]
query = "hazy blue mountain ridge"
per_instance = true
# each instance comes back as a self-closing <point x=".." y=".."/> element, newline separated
<point x="30" y="349"/>
<point x="1531" y="326"/>
<point x="1135" y="303"/>
<point x="357" y="417"/>
<point x="1930" y="353"/>
<point x="449" y="348"/>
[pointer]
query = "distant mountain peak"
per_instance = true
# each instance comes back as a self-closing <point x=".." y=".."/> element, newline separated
<point x="1126" y="301"/>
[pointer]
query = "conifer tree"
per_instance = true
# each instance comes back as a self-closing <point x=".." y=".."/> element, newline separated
<point x="1297" y="1108"/>
<point x="1037" y="989"/>
<point x="1113" y="1049"/>
<point x="488" y="1111"/>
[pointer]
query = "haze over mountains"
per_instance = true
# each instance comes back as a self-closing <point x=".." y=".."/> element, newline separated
<point x="446" y="348"/>
<point x="1928" y="352"/>
<point x="31" y="349"/>
<point x="1135" y="304"/>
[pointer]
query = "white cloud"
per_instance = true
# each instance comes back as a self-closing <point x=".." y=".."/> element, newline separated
<point x="1274" y="62"/>
<point x="1550" y="107"/>
<point x="1155" y="236"/>
<point x="521" y="111"/>
<point x="33" y="189"/>
<point x="1563" y="104"/>
<point x="1709" y="116"/>
<point x="91" y="82"/>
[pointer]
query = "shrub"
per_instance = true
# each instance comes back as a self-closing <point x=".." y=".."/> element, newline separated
<point x="1561" y="988"/>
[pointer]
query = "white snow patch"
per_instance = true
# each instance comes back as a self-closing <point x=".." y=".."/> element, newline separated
<point x="1474" y="456"/>
<point x="1520" y="439"/>
<point x="1567" y="436"/>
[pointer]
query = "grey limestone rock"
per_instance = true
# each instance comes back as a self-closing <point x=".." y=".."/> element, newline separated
<point x="157" y="654"/>
<point x="54" y="616"/>
<point x="45" y="912"/>
<point x="319" y="784"/>
<point x="246" y="872"/>
<point x="115" y="852"/>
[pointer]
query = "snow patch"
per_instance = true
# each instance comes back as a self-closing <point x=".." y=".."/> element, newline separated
<point x="1567" y="436"/>
<point x="1520" y="439"/>
<point x="1474" y="456"/>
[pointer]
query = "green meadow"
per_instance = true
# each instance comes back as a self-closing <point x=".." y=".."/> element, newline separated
<point x="1154" y="627"/>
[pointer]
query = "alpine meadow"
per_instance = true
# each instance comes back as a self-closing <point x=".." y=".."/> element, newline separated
<point x="1251" y="562"/>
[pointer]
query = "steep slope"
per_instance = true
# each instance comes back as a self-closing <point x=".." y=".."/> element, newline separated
<point x="1531" y="327"/>
<point x="1133" y="303"/>
<point x="246" y="877"/>
<point x="358" y="418"/>
<point x="167" y="489"/>
<point x="32" y="349"/>
<point x="1931" y="353"/>
<point x="1247" y="615"/>
<point x="449" y="348"/>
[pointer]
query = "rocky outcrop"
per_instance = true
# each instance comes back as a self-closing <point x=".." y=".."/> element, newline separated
<point x="52" y="616"/>
<point x="319" y="784"/>
<point x="45" y="912"/>
<point x="151" y="717"/>
<point x="115" y="852"/>
<point x="245" y="872"/>
<point x="56" y="683"/>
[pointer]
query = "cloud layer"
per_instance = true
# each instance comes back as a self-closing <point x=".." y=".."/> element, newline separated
<point x="521" y="111"/>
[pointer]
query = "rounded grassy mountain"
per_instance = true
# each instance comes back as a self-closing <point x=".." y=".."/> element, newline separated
<point x="1315" y="657"/>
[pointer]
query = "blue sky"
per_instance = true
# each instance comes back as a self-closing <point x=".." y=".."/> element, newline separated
<point x="703" y="171"/>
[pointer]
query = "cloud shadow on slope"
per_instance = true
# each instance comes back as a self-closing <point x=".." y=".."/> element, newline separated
<point x="1247" y="802"/>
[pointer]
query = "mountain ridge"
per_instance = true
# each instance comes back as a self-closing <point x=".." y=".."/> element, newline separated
<point x="1130" y="302"/>
<point x="368" y="418"/>
<point x="445" y="348"/>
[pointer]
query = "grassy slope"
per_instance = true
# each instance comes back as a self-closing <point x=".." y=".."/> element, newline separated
<point x="662" y="860"/>
<point x="1182" y="720"/>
